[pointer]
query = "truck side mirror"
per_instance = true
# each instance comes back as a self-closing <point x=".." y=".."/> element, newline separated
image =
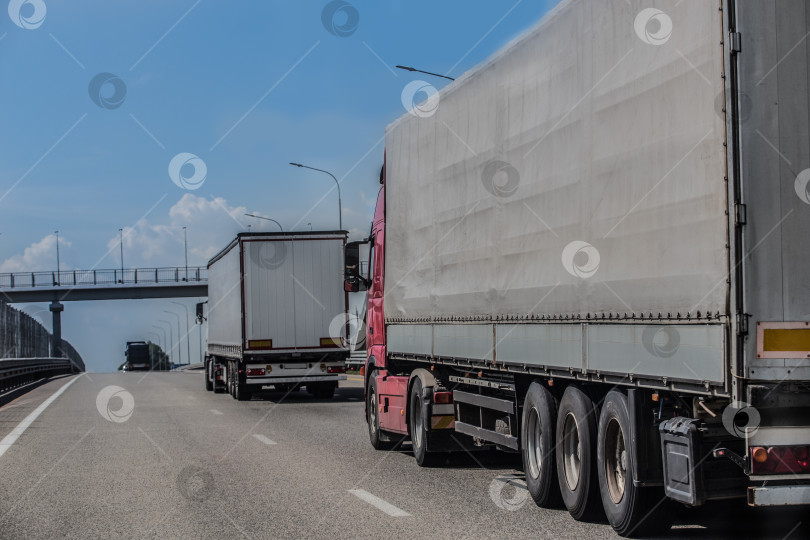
<point x="352" y="280"/>
<point x="200" y="315"/>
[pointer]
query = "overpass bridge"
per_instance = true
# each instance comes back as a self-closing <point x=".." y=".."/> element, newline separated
<point x="116" y="284"/>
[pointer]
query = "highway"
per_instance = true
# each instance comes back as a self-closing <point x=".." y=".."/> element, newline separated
<point x="165" y="459"/>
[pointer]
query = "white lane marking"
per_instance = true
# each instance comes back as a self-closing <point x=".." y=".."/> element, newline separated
<point x="377" y="502"/>
<point x="12" y="437"/>
<point x="264" y="439"/>
<point x="216" y="411"/>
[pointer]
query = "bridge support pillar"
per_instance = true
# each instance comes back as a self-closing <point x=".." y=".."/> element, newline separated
<point x="56" y="338"/>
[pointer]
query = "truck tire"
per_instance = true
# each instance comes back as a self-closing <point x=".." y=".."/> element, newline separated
<point x="375" y="434"/>
<point x="232" y="380"/>
<point x="631" y="511"/>
<point x="324" y="390"/>
<point x="576" y="455"/>
<point x="209" y="385"/>
<point x="538" y="426"/>
<point x="418" y="426"/>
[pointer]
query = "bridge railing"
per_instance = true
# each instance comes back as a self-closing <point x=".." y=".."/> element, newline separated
<point x="128" y="276"/>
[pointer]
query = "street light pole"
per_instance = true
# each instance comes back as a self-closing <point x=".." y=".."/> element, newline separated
<point x="179" y="339"/>
<point x="267" y="219"/>
<point x="171" y="338"/>
<point x="58" y="268"/>
<point x="340" y="203"/>
<point x="185" y="247"/>
<point x="408" y="68"/>
<point x="188" y="332"/>
<point x="121" y="243"/>
<point x="163" y="346"/>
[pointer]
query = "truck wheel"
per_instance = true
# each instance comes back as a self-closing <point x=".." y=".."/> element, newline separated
<point x="418" y="426"/>
<point x="208" y="384"/>
<point x="324" y="390"/>
<point x="576" y="455"/>
<point x="232" y="380"/>
<point x="372" y="416"/>
<point x="537" y="434"/>
<point x="631" y="510"/>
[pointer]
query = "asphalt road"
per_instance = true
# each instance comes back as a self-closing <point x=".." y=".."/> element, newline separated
<point x="166" y="459"/>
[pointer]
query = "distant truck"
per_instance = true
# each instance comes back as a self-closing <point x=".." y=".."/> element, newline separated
<point x="137" y="355"/>
<point x="593" y="249"/>
<point x="277" y="314"/>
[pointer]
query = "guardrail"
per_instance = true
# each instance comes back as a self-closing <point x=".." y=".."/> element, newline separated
<point x="18" y="371"/>
<point x="72" y="278"/>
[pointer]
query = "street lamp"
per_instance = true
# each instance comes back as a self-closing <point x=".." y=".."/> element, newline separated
<point x="185" y="247"/>
<point x="267" y="219"/>
<point x="188" y="332"/>
<point x="340" y="204"/>
<point x="163" y="346"/>
<point x="179" y="339"/>
<point x="121" y="243"/>
<point x="58" y="271"/>
<point x="408" y="68"/>
<point x="171" y="337"/>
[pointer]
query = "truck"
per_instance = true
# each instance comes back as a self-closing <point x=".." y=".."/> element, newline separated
<point x="277" y="314"/>
<point x="137" y="355"/>
<point x="592" y="249"/>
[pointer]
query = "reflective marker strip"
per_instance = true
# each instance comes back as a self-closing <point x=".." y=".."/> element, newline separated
<point x="442" y="422"/>
<point x="378" y="503"/>
<point x="12" y="437"/>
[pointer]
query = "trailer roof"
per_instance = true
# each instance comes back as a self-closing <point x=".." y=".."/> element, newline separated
<point x="292" y="235"/>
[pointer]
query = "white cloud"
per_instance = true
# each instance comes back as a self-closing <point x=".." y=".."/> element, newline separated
<point x="39" y="256"/>
<point x="210" y="223"/>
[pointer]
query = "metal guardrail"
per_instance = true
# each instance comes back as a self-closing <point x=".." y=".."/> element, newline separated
<point x="17" y="371"/>
<point x="73" y="278"/>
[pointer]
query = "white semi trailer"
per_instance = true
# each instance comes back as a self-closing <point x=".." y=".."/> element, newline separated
<point x="277" y="314"/>
<point x="594" y="249"/>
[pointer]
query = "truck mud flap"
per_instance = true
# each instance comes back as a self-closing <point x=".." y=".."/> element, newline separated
<point x="683" y="476"/>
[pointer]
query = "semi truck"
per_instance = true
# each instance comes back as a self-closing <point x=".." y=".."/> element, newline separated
<point x="277" y="314"/>
<point x="137" y="355"/>
<point x="593" y="250"/>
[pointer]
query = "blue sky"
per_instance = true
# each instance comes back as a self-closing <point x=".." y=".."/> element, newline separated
<point x="246" y="87"/>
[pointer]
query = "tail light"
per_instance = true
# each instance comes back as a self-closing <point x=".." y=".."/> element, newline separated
<point x="442" y="398"/>
<point x="336" y="369"/>
<point x="780" y="459"/>
<point x="255" y="372"/>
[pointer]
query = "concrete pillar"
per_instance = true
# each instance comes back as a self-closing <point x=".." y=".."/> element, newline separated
<point x="56" y="339"/>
